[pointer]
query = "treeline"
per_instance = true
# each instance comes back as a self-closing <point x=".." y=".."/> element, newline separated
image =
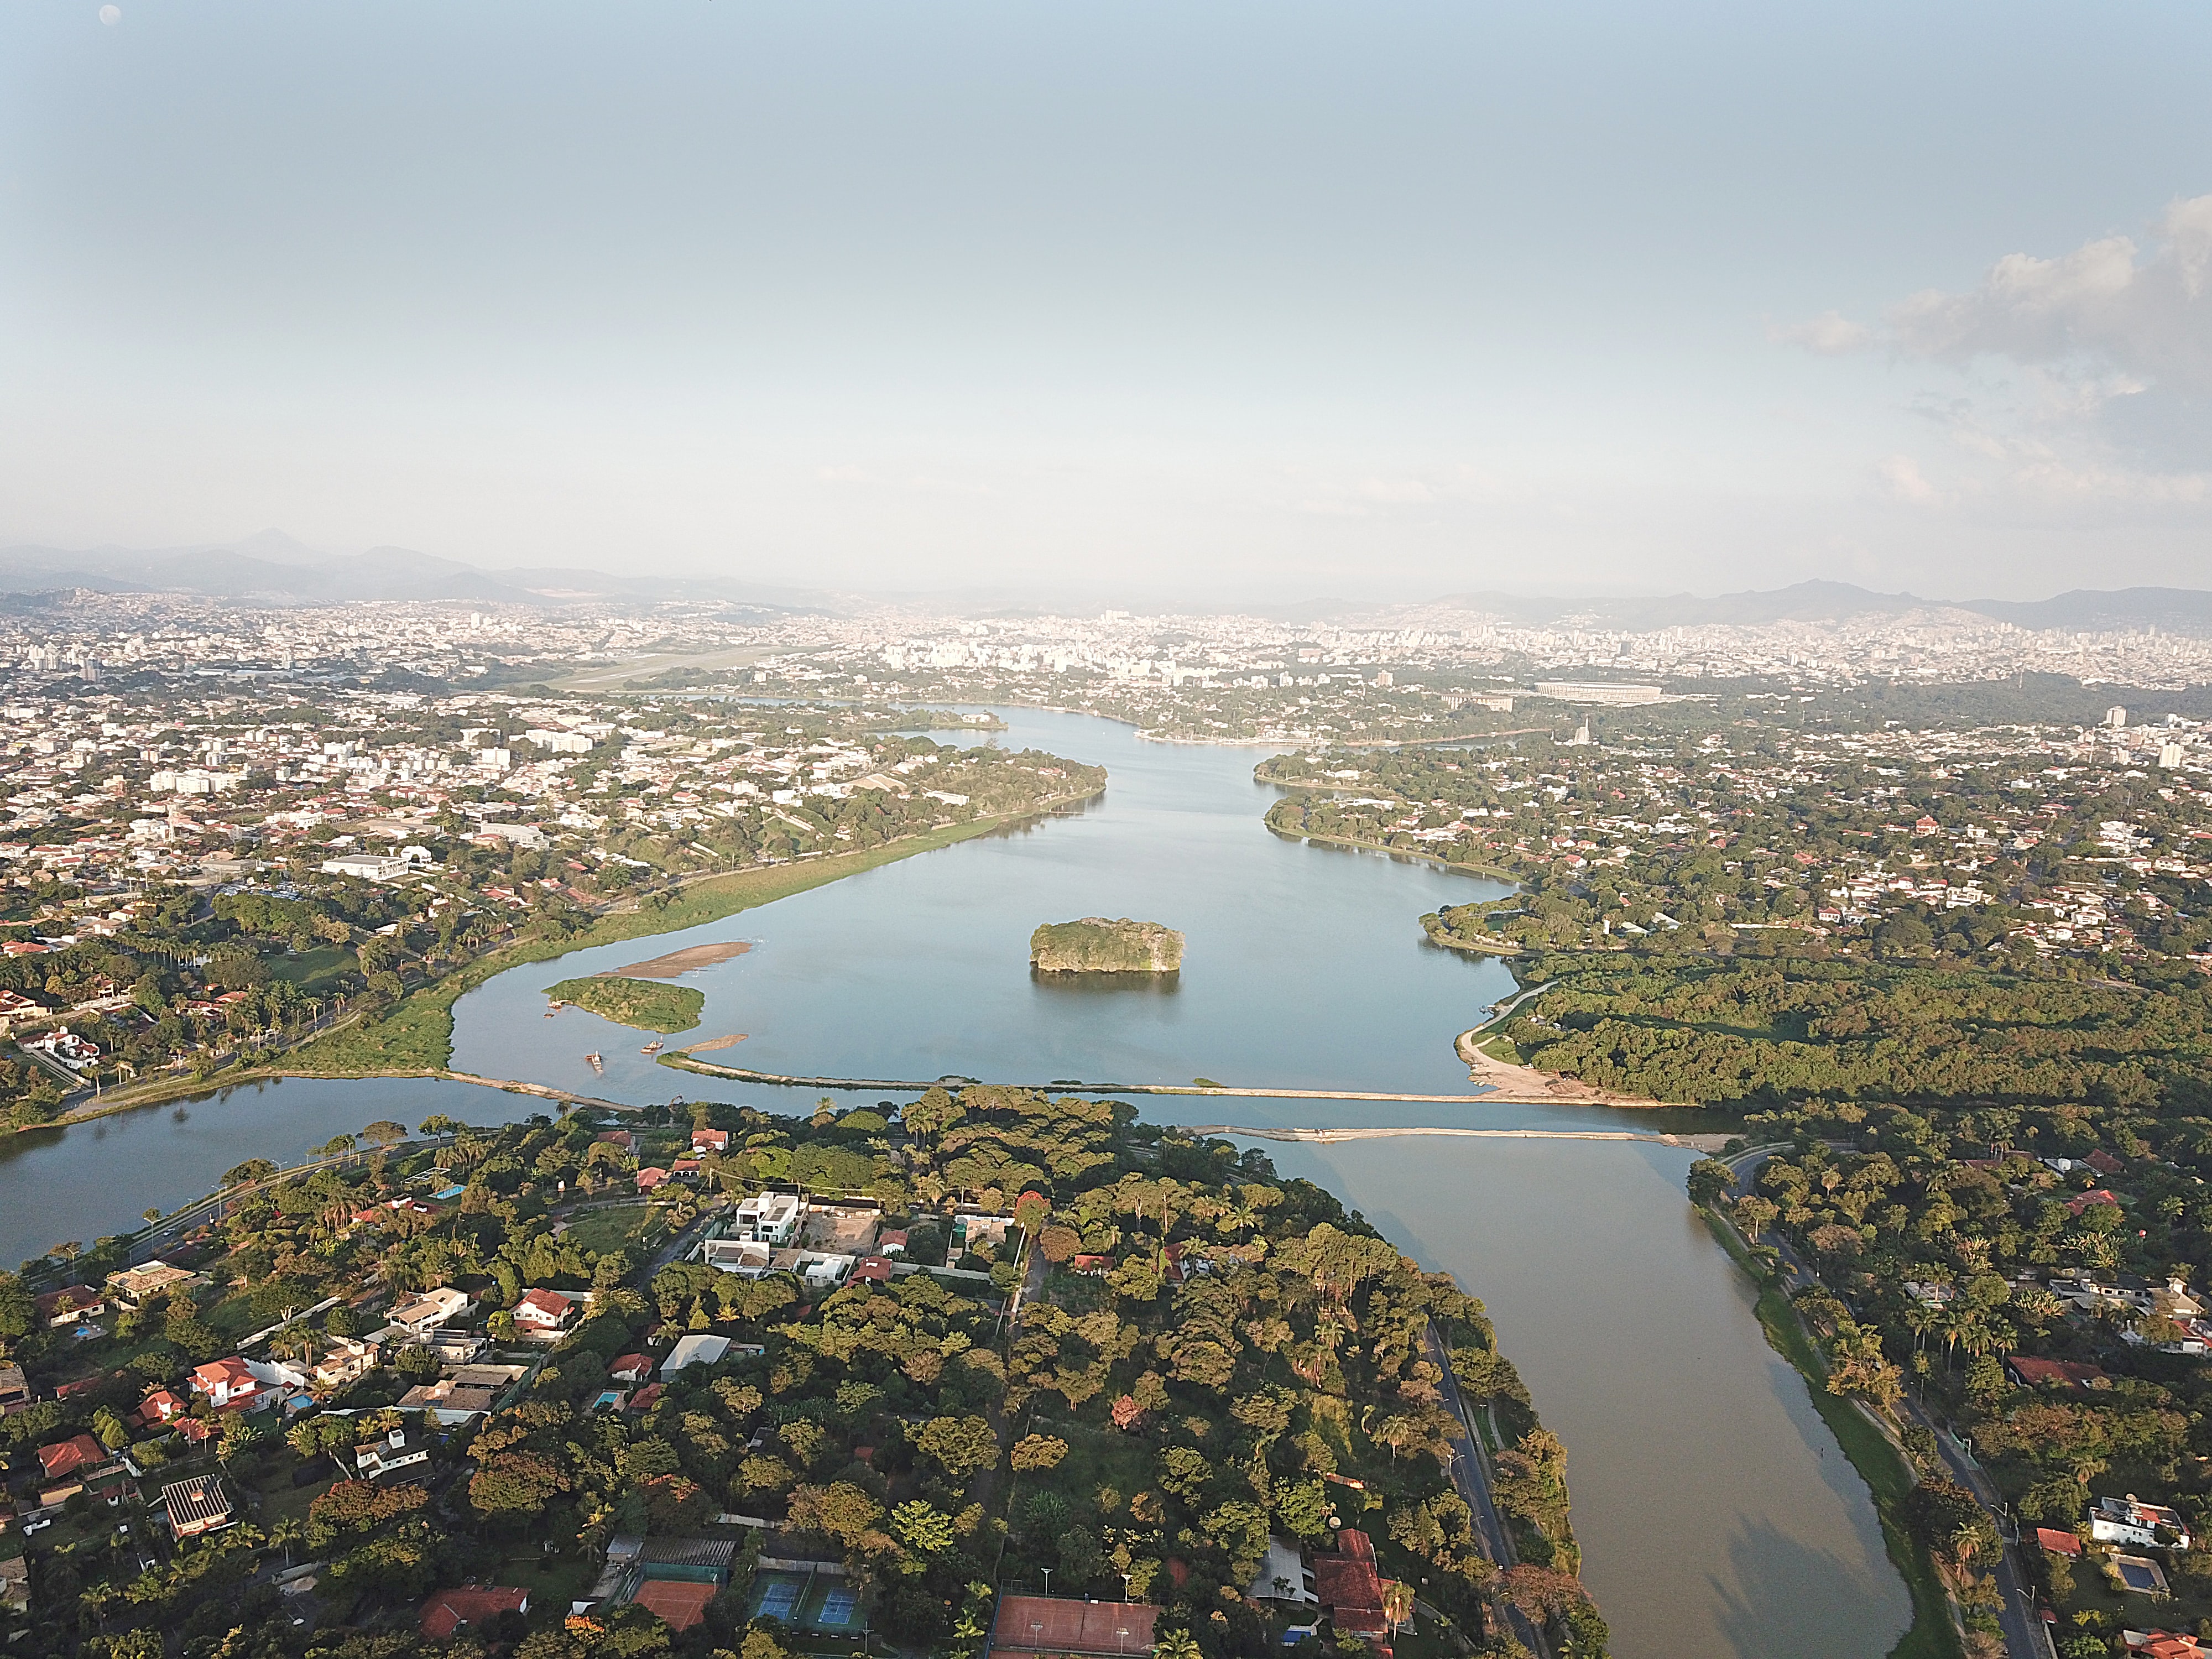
<point x="1746" y="1033"/>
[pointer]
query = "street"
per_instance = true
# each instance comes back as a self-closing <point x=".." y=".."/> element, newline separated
<point x="1470" y="1473"/>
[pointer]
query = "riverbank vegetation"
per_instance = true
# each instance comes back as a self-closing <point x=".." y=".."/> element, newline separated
<point x="1755" y="911"/>
<point x="388" y="1027"/>
<point x="643" y="1004"/>
<point x="1217" y="1356"/>
<point x="2030" y="1274"/>
<point x="1745" y="1034"/>
<point x="152" y="956"/>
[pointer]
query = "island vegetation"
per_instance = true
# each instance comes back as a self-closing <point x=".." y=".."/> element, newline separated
<point x="1097" y="945"/>
<point x="1206" y="1357"/>
<point x="647" y="1004"/>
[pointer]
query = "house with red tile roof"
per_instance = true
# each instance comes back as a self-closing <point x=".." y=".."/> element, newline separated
<point x="1350" y="1588"/>
<point x="710" y="1141"/>
<point x="629" y="1368"/>
<point x="66" y="1457"/>
<point x="2163" y="1644"/>
<point x="472" y="1604"/>
<point x="2094" y="1198"/>
<point x="545" y="1310"/>
<point x="2069" y="1374"/>
<point x="229" y="1385"/>
<point x="162" y="1405"/>
<point x="874" y="1267"/>
<point x="651" y="1176"/>
<point x="71" y="1303"/>
<point x="2055" y="1542"/>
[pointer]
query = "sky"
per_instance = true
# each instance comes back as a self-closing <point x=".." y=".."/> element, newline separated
<point x="1382" y="300"/>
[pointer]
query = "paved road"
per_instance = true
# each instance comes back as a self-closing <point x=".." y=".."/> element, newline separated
<point x="2025" y="1633"/>
<point x="678" y="1245"/>
<point x="2026" y="1636"/>
<point x="1470" y="1473"/>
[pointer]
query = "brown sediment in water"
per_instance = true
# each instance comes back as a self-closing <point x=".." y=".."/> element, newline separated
<point x="714" y="1043"/>
<point x="679" y="962"/>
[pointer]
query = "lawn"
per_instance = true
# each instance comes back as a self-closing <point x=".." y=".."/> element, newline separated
<point x="618" y="1227"/>
<point x="643" y="1004"/>
<point x="553" y="1581"/>
<point x="315" y="971"/>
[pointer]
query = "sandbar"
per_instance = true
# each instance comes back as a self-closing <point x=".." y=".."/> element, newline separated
<point x="714" y="1043"/>
<point x="681" y="962"/>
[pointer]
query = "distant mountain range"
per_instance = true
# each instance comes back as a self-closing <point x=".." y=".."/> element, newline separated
<point x="272" y="567"/>
<point x="2182" y="609"/>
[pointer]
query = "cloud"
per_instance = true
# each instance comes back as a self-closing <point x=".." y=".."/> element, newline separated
<point x="1902" y="477"/>
<point x="2106" y="305"/>
<point x="2080" y="374"/>
<point x="1830" y="334"/>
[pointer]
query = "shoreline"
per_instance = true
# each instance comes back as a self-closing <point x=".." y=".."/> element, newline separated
<point x="1528" y="1085"/>
<point x="1867" y="1446"/>
<point x="434" y="1002"/>
<point x="1487" y="871"/>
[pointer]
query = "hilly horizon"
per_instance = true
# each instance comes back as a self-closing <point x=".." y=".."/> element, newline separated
<point x="273" y="565"/>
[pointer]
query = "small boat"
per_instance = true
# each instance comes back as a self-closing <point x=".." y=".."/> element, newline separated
<point x="652" y="1047"/>
<point x="597" y="1064"/>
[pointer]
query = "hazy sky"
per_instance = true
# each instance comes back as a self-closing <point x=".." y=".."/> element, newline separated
<point x="1371" y="299"/>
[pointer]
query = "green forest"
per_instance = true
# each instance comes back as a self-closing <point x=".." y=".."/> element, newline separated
<point x="1215" y="1354"/>
<point x="1746" y="1033"/>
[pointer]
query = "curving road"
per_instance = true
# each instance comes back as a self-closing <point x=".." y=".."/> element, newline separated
<point x="1470" y="1474"/>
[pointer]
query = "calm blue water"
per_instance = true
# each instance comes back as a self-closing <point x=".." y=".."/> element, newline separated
<point x="1716" y="1515"/>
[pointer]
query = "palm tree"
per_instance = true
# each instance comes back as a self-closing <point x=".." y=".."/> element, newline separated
<point x="1397" y="1602"/>
<point x="287" y="1534"/>
<point x="1176" y="1644"/>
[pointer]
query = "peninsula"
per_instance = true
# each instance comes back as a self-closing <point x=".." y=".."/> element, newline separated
<point x="1096" y="945"/>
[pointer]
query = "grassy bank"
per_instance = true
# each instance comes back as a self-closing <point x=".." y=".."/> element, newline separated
<point x="643" y="1004"/>
<point x="1880" y="1463"/>
<point x="418" y="1033"/>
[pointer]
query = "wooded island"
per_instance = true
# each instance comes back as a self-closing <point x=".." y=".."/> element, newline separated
<point x="1096" y="945"/>
<point x="637" y="1002"/>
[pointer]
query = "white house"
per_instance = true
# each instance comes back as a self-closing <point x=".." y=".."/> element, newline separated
<point x="366" y="866"/>
<point x="693" y="1350"/>
<point x="737" y="1255"/>
<point x="2127" y="1521"/>
<point x="771" y="1218"/>
<point x="544" y="1310"/>
<point x="397" y="1452"/>
<point x="431" y="1309"/>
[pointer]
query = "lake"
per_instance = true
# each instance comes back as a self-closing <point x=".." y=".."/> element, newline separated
<point x="1716" y="1514"/>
